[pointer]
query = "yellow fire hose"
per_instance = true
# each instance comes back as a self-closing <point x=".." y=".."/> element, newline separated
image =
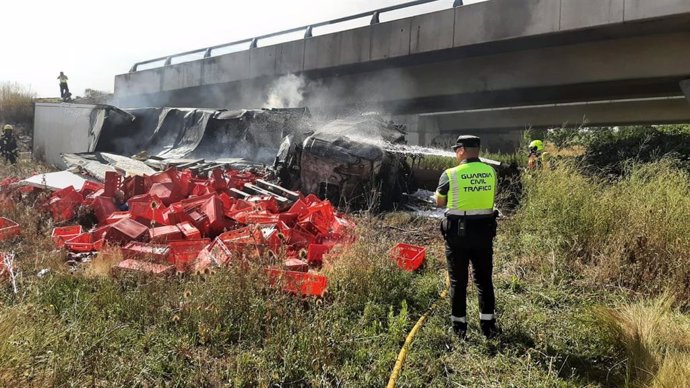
<point x="410" y="337"/>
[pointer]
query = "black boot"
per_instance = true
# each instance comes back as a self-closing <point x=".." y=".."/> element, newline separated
<point x="489" y="328"/>
<point x="460" y="329"/>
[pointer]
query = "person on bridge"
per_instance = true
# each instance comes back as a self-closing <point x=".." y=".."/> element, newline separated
<point x="536" y="154"/>
<point x="64" y="89"/>
<point x="8" y="144"/>
<point x="469" y="227"/>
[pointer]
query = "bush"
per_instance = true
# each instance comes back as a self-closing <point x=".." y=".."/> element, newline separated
<point x="655" y="340"/>
<point x="631" y="232"/>
<point x="16" y="104"/>
<point x="610" y="150"/>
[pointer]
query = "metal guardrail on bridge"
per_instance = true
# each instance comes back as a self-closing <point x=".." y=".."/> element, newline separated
<point x="253" y="42"/>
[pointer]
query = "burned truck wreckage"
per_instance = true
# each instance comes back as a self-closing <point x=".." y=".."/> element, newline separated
<point x="355" y="162"/>
<point x="347" y="162"/>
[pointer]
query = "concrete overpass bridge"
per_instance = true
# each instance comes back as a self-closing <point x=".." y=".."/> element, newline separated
<point x="553" y="58"/>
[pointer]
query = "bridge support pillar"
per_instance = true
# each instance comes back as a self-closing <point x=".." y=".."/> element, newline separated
<point x="421" y="130"/>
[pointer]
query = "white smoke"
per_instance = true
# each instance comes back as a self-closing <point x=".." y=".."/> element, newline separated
<point x="286" y="92"/>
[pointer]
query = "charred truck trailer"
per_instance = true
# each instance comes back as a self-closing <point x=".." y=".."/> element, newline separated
<point x="350" y="161"/>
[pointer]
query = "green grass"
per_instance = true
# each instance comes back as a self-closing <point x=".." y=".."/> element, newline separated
<point x="558" y="260"/>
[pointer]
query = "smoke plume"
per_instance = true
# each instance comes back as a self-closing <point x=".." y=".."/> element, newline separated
<point x="286" y="92"/>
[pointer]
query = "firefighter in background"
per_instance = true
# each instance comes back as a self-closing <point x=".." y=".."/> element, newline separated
<point x="535" y="159"/>
<point x="8" y="144"/>
<point x="467" y="192"/>
<point x="64" y="89"/>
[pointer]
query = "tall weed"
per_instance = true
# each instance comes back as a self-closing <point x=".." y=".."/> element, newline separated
<point x="16" y="104"/>
<point x="630" y="232"/>
<point x="655" y="340"/>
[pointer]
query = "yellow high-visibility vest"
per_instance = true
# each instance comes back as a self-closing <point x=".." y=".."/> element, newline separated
<point x="472" y="189"/>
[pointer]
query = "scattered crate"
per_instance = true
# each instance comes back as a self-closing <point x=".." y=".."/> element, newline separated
<point x="301" y="283"/>
<point x="408" y="257"/>
<point x="63" y="233"/>
<point x="8" y="229"/>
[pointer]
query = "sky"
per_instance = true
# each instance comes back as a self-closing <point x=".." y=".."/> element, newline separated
<point x="92" y="41"/>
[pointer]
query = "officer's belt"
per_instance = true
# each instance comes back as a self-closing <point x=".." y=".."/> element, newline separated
<point x="483" y="213"/>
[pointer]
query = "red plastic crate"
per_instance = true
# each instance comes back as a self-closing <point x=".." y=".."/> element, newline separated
<point x="213" y="255"/>
<point x="116" y="216"/>
<point x="90" y="187"/>
<point x="131" y="265"/>
<point x="300" y="238"/>
<point x="175" y="214"/>
<point x="408" y="257"/>
<point x="290" y="219"/>
<point x="8" y="228"/>
<point x="192" y="203"/>
<point x="189" y="231"/>
<point x="217" y="180"/>
<point x="103" y="207"/>
<point x="219" y="252"/>
<point x="61" y="234"/>
<point x="64" y="203"/>
<point x="246" y="233"/>
<point x="148" y="252"/>
<point x="126" y="230"/>
<point x="200" y="221"/>
<point x="300" y="283"/>
<point x="299" y="207"/>
<point x="163" y="234"/>
<point x="259" y="218"/>
<point x="166" y="192"/>
<point x="167" y="176"/>
<point x="112" y="183"/>
<point x="84" y="242"/>
<point x="315" y="252"/>
<point x="148" y="207"/>
<point x="227" y="201"/>
<point x="184" y="252"/>
<point x="213" y="210"/>
<point x="311" y="198"/>
<point x="99" y="232"/>
<point x="296" y="265"/>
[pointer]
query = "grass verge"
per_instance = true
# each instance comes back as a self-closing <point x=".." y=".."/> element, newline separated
<point x="230" y="329"/>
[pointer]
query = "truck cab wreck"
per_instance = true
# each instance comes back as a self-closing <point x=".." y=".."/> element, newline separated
<point x="350" y="162"/>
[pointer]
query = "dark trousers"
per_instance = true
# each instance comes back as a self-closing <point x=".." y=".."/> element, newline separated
<point x="10" y="157"/>
<point x="474" y="245"/>
<point x="64" y="89"/>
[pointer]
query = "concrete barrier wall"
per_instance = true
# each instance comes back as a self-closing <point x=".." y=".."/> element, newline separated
<point x="646" y="9"/>
<point x="590" y="13"/>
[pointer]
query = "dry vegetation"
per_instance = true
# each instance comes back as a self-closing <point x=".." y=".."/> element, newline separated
<point x="16" y="104"/>
<point x="656" y="339"/>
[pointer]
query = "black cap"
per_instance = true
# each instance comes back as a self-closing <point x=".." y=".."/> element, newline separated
<point x="467" y="141"/>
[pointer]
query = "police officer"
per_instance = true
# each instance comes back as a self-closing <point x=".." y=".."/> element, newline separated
<point x="8" y="144"/>
<point x="467" y="192"/>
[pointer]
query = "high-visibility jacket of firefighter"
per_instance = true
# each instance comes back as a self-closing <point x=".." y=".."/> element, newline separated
<point x="472" y="189"/>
